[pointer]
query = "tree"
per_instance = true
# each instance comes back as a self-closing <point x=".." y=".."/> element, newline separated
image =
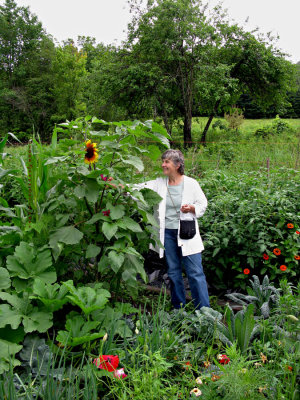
<point x="25" y="60"/>
<point x="172" y="41"/>
<point x="257" y="68"/>
<point x="68" y="69"/>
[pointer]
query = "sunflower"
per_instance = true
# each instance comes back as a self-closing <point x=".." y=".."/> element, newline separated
<point x="91" y="152"/>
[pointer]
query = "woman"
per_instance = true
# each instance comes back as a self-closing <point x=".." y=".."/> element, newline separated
<point x="182" y="198"/>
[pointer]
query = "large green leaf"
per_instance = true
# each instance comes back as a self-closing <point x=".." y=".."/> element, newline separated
<point x="116" y="260"/>
<point x="20" y="310"/>
<point x="116" y="212"/>
<point x="79" y="331"/>
<point x="28" y="263"/>
<point x="5" y="281"/>
<point x="92" y="190"/>
<point x="67" y="235"/>
<point x="136" y="162"/>
<point x="92" y="250"/>
<point x="129" y="223"/>
<point x="7" y="352"/>
<point x="52" y="296"/>
<point x="109" y="229"/>
<point x="87" y="298"/>
<point x="9" y="316"/>
<point x="151" y="197"/>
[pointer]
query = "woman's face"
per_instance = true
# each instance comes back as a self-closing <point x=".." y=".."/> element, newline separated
<point x="169" y="168"/>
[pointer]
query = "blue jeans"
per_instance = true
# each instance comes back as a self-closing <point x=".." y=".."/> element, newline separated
<point x="193" y="269"/>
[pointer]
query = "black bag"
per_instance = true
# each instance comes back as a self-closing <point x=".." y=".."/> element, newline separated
<point x="187" y="229"/>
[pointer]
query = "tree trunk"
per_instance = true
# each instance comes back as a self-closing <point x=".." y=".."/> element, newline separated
<point x="205" y="130"/>
<point x="187" y="128"/>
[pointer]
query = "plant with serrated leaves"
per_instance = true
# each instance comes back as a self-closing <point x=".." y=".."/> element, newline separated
<point x="262" y="295"/>
<point x="28" y="263"/>
<point x="240" y="327"/>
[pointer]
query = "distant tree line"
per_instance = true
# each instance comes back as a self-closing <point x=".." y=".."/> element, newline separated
<point x="180" y="60"/>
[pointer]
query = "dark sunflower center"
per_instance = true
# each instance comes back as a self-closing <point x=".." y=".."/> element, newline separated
<point x="89" y="152"/>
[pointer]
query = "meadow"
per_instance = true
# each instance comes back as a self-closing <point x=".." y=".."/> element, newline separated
<point x="74" y="322"/>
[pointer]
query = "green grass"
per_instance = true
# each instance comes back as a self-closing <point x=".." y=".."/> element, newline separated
<point x="226" y="150"/>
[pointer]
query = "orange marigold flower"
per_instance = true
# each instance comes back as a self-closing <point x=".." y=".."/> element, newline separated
<point x="277" y="252"/>
<point x="246" y="271"/>
<point x="296" y="257"/>
<point x="206" y="364"/>
<point x="298" y="233"/>
<point x="289" y="368"/>
<point x="283" y="267"/>
<point x="265" y="256"/>
<point x="91" y="152"/>
<point x="290" y="226"/>
<point x="215" y="377"/>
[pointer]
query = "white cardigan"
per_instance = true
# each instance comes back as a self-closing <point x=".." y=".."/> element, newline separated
<point x="192" y="194"/>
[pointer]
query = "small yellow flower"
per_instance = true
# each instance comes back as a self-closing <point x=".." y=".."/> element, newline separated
<point x="199" y="381"/>
<point x="197" y="392"/>
<point x="263" y="358"/>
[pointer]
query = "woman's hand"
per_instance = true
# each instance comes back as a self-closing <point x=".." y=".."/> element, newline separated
<point x="188" y="208"/>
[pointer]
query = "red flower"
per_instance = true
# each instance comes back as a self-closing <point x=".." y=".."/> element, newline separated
<point x="104" y="178"/>
<point x="277" y="252"/>
<point x="289" y="368"/>
<point x="223" y="359"/>
<point x="290" y="226"/>
<point x="106" y="213"/>
<point x="187" y="365"/>
<point x="109" y="363"/>
<point x="298" y="233"/>
<point x="283" y="267"/>
<point x="297" y="257"/>
<point x="246" y="271"/>
<point x="265" y="256"/>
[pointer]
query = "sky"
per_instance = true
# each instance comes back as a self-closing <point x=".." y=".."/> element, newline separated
<point x="107" y="20"/>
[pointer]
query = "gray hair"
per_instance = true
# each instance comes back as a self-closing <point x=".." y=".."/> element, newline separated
<point x="176" y="157"/>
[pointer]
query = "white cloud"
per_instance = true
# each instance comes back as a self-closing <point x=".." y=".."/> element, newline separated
<point x="106" y="20"/>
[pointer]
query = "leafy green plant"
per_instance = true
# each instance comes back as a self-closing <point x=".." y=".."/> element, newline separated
<point x="263" y="296"/>
<point x="28" y="263"/>
<point x="240" y="327"/>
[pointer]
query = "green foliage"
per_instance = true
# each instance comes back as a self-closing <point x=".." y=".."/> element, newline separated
<point x="240" y="327"/>
<point x="277" y="127"/>
<point x="263" y="296"/>
<point x="246" y="218"/>
<point x="28" y="263"/>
